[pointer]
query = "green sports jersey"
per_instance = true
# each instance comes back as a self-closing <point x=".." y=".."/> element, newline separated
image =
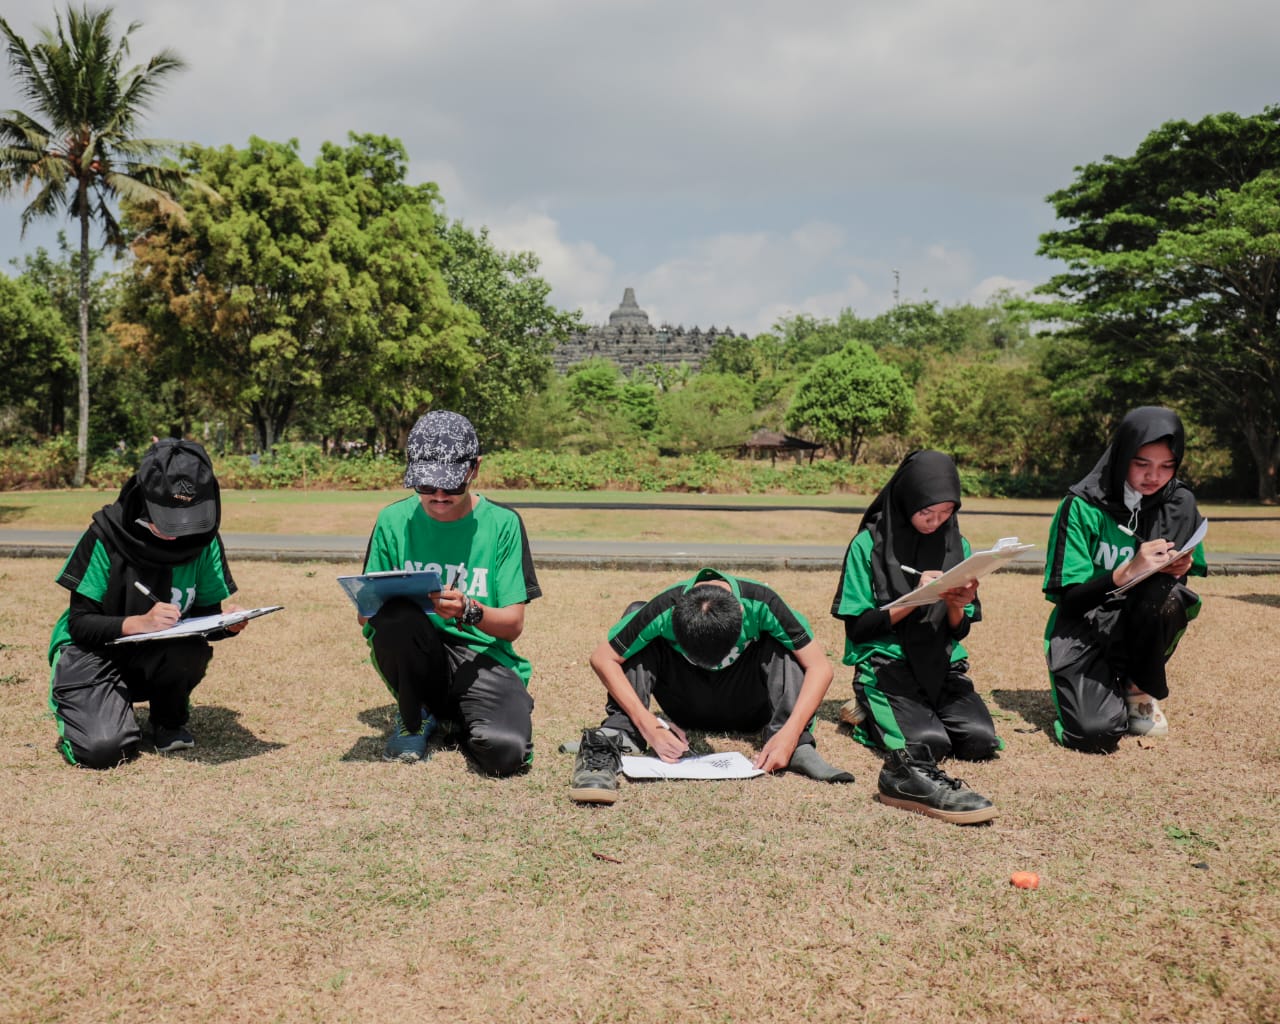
<point x="858" y="596"/>
<point x="1085" y="542"/>
<point x="485" y="555"/>
<point x="87" y="571"/>
<point x="764" y="613"/>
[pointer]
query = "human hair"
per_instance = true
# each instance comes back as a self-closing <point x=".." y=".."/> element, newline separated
<point x="707" y="621"/>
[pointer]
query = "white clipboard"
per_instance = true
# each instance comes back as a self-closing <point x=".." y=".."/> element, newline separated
<point x="201" y="625"/>
<point x="1186" y="548"/>
<point x="974" y="567"/>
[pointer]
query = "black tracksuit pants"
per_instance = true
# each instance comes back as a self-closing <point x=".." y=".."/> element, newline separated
<point x="453" y="682"/>
<point x="92" y="693"/>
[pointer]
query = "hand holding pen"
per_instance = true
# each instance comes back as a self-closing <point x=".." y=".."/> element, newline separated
<point x="161" y="616"/>
<point x="668" y="741"/>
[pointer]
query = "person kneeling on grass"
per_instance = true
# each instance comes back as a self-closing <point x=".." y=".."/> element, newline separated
<point x="1106" y="653"/>
<point x="914" y="699"/>
<point x="458" y="664"/>
<point x="718" y="652"/>
<point x="146" y="561"/>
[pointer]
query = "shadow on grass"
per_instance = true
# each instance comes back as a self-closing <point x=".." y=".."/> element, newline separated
<point x="369" y="748"/>
<point x="1033" y="706"/>
<point x="12" y="513"/>
<point x="829" y="710"/>
<point x="220" y="738"/>
<point x="1266" y="600"/>
<point x="448" y="736"/>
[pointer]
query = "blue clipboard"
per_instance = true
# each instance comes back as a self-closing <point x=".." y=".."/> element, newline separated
<point x="371" y="590"/>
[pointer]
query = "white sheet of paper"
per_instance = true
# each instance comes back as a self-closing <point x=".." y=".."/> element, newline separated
<point x="199" y="625"/>
<point x="974" y="567"/>
<point x="729" y="765"/>
<point x="1189" y="546"/>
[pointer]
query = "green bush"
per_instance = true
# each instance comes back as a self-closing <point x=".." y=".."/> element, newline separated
<point x="38" y="466"/>
<point x="639" y="468"/>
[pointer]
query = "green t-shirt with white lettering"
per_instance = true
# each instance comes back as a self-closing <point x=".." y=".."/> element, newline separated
<point x="485" y="554"/>
<point x="1084" y="542"/>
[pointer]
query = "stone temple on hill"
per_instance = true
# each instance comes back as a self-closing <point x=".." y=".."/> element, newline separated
<point x="631" y="341"/>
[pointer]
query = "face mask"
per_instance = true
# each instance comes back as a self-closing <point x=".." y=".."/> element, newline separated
<point x="1132" y="501"/>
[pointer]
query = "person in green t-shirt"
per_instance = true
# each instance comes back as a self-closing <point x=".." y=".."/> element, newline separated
<point x="911" y="679"/>
<point x="458" y="662"/>
<point x="1106" y="652"/>
<point x="718" y="652"/>
<point x="913" y="698"/>
<point x="151" y="558"/>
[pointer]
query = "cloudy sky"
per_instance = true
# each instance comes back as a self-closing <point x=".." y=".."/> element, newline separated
<point x="734" y="162"/>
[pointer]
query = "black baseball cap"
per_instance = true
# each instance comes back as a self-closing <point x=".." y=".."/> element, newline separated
<point x="179" y="488"/>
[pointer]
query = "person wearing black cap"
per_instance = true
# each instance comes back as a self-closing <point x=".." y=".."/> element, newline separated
<point x="148" y="560"/>
<point x="1106" y="652"/>
<point x="914" y="698"/>
<point x="458" y="663"/>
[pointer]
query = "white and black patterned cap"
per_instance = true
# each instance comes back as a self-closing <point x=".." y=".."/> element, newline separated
<point x="442" y="445"/>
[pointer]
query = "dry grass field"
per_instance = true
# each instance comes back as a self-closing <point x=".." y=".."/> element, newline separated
<point x="282" y="872"/>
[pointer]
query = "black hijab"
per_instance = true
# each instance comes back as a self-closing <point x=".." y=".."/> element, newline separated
<point x="138" y="555"/>
<point x="924" y="478"/>
<point x="1171" y="512"/>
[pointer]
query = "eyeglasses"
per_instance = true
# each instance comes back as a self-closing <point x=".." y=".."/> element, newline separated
<point x="453" y="492"/>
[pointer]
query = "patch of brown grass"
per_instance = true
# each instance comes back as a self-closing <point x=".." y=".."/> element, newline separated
<point x="281" y="871"/>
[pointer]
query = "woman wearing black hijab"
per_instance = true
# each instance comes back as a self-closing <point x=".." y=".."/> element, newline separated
<point x="147" y="560"/>
<point x="915" y="700"/>
<point x="1106" y="653"/>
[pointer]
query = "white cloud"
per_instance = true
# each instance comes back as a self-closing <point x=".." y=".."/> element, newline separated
<point x="727" y="164"/>
<point x="580" y="275"/>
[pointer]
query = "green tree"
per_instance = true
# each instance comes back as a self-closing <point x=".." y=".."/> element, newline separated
<point x="597" y="409"/>
<point x="712" y="411"/>
<point x="130" y="402"/>
<point x="302" y="287"/>
<point x="518" y="328"/>
<point x="36" y="350"/>
<point x="1172" y="291"/>
<point x="848" y="397"/>
<point x="76" y="145"/>
<point x="990" y="415"/>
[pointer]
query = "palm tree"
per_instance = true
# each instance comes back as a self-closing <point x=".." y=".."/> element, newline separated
<point x="75" y="147"/>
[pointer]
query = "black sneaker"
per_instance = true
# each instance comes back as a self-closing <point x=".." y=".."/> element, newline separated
<point x="916" y="783"/>
<point x="169" y="740"/>
<point x="595" y="771"/>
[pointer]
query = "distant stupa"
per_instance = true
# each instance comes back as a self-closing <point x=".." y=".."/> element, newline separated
<point x="631" y="341"/>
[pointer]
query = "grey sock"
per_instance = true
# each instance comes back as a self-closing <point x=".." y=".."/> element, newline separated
<point x="807" y="761"/>
<point x="628" y="744"/>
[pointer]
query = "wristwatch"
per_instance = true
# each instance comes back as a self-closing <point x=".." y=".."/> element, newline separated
<point x="473" y="614"/>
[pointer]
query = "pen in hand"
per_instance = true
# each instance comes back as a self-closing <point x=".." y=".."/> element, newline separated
<point x="161" y="616"/>
<point x="146" y="591"/>
<point x="907" y="568"/>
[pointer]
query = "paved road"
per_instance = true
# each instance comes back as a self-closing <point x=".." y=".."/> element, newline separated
<point x="570" y="554"/>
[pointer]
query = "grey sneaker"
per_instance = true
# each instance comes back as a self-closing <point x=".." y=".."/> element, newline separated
<point x="916" y="783"/>
<point x="169" y="740"/>
<point x="595" y="771"/>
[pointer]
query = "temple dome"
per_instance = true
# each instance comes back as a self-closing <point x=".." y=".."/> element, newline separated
<point x="629" y="315"/>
